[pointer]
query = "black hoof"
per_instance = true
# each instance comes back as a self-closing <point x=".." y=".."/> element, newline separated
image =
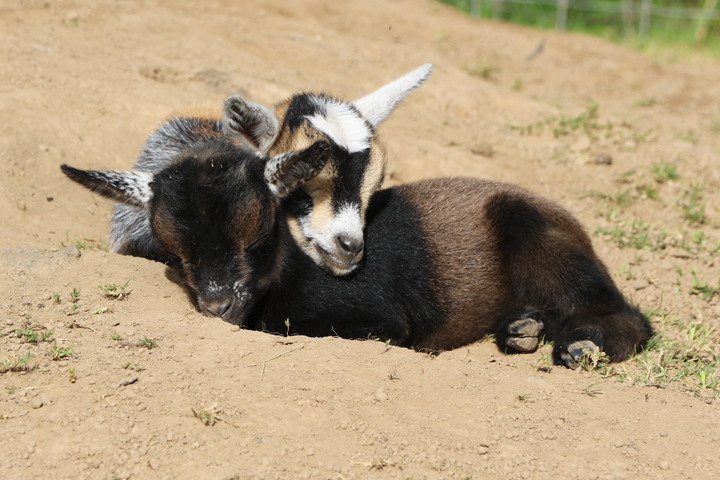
<point x="577" y="350"/>
<point x="524" y="334"/>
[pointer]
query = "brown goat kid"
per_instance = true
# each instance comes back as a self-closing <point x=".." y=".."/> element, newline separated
<point x="447" y="261"/>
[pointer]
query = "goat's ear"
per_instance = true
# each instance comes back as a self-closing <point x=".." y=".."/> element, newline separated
<point x="286" y="172"/>
<point x="131" y="188"/>
<point x="376" y="106"/>
<point x="250" y="120"/>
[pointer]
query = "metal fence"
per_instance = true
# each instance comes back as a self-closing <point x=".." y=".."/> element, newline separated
<point x="628" y="9"/>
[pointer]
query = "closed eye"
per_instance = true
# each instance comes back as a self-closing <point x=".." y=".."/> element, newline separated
<point x="258" y="242"/>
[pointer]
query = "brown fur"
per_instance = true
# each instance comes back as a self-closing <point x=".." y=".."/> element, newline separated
<point x="466" y="254"/>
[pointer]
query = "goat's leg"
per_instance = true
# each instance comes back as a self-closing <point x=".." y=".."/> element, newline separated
<point x="520" y="331"/>
<point x="618" y="335"/>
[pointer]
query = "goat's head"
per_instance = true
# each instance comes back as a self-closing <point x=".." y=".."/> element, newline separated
<point x="327" y="214"/>
<point x="214" y="214"/>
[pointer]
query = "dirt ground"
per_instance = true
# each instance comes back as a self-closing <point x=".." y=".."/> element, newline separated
<point x="85" y="82"/>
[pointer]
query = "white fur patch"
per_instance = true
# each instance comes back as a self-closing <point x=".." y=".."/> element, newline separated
<point x="342" y="124"/>
<point x="135" y="184"/>
<point x="376" y="106"/>
<point x="346" y="221"/>
<point x="271" y="173"/>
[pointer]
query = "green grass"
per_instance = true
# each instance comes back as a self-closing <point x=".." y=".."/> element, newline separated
<point x="112" y="290"/>
<point x="692" y="205"/>
<point x="147" y="342"/>
<point x="681" y="352"/>
<point x="622" y="199"/>
<point x="586" y="121"/>
<point x="671" y="35"/>
<point x="75" y="295"/>
<point x="133" y="366"/>
<point x="16" y="364"/>
<point x="84" y="243"/>
<point x="59" y="353"/>
<point x="703" y="289"/>
<point x="32" y="336"/>
<point x="208" y="418"/>
<point x="663" y="172"/>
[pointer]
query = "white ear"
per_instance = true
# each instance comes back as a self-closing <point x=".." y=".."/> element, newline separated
<point x="376" y="106"/>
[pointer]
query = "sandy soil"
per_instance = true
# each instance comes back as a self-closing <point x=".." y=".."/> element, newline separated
<point x="85" y="82"/>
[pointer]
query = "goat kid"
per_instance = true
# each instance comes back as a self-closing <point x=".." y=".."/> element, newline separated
<point x="326" y="215"/>
<point x="447" y="261"/>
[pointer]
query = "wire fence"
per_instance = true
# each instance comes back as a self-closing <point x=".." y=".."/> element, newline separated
<point x="628" y="10"/>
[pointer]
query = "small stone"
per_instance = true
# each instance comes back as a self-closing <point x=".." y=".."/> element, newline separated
<point x="603" y="159"/>
<point x="72" y="251"/>
<point x="128" y="381"/>
<point x="36" y="402"/>
<point x="50" y="198"/>
<point x="43" y="147"/>
<point x="482" y="149"/>
<point x="235" y="328"/>
<point x="200" y="370"/>
<point x="380" y="396"/>
<point x="641" y="285"/>
<point x="482" y="449"/>
<point x="679" y="253"/>
<point x="665" y="465"/>
<point x="142" y="407"/>
<point x="663" y="435"/>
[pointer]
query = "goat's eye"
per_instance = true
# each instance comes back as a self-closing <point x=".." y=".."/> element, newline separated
<point x="260" y="241"/>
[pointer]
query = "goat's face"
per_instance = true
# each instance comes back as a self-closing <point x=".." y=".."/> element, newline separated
<point x="326" y="215"/>
<point x="213" y="213"/>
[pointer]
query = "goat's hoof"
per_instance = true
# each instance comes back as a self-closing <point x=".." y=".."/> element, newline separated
<point x="524" y="334"/>
<point x="522" y="344"/>
<point x="577" y="350"/>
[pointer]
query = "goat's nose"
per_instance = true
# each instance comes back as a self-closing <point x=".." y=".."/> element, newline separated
<point x="349" y="245"/>
<point x="218" y="307"/>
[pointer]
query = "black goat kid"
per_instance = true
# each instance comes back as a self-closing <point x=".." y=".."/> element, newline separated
<point x="447" y="261"/>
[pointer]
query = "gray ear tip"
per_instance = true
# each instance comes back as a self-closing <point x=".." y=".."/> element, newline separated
<point x="71" y="172"/>
<point x="234" y="100"/>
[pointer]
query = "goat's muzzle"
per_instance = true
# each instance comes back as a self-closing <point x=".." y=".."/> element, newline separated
<point x="346" y="254"/>
<point x="227" y="306"/>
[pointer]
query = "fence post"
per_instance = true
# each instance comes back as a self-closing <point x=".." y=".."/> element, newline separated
<point x="497" y="8"/>
<point x="645" y="13"/>
<point x="476" y="8"/>
<point x="702" y="28"/>
<point x="561" y="19"/>
<point x="627" y="16"/>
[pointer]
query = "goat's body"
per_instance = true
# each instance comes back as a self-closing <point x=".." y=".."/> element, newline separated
<point x="130" y="232"/>
<point x="451" y="260"/>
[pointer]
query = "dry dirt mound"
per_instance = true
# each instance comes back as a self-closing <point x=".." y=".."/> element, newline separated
<point x="144" y="387"/>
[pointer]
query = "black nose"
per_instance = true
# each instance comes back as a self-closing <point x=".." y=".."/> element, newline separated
<point x="218" y="307"/>
<point x="349" y="245"/>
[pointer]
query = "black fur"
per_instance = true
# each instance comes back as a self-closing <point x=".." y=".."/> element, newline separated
<point x="546" y="268"/>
